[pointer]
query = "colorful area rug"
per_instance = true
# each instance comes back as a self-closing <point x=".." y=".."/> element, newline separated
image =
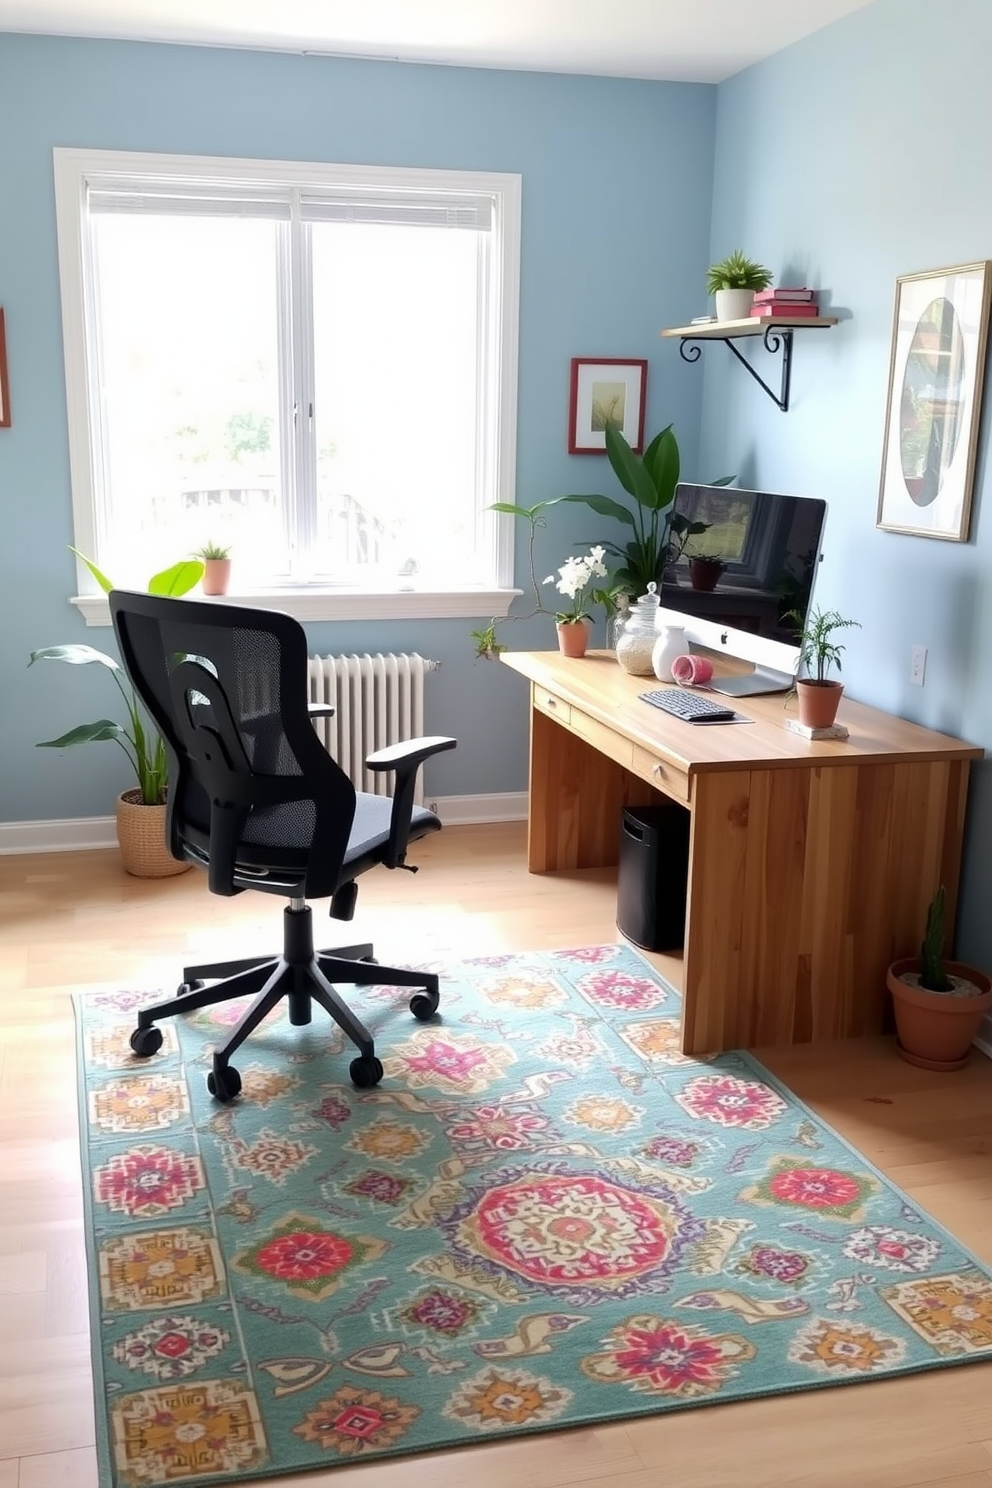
<point x="544" y="1216"/>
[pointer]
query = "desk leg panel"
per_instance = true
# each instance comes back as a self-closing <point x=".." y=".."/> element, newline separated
<point x="576" y="797"/>
<point x="803" y="886"/>
<point x="711" y="963"/>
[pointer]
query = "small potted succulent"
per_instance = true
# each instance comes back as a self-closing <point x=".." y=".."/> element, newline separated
<point x="819" y="694"/>
<point x="938" y="1004"/>
<point x="216" y="560"/>
<point x="734" y="281"/>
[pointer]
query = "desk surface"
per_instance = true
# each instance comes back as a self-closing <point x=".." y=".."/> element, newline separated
<point x="603" y="689"/>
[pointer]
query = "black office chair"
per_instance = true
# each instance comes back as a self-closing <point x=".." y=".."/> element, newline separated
<point x="256" y="800"/>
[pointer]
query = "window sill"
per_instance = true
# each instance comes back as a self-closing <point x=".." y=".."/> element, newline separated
<point x="343" y="604"/>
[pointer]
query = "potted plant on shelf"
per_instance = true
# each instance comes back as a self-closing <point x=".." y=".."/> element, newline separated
<point x="216" y="560"/>
<point x="938" y="1004"/>
<point x="733" y="281"/>
<point x="140" y="810"/>
<point x="574" y="578"/>
<point x="819" y="694"/>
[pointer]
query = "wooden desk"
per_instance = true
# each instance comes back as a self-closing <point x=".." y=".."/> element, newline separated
<point x="810" y="865"/>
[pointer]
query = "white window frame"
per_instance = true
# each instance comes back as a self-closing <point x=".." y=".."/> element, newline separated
<point x="75" y="167"/>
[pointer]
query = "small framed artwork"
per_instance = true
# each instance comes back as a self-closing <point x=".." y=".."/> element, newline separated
<point x="606" y="390"/>
<point x="934" y="405"/>
<point x="4" y="386"/>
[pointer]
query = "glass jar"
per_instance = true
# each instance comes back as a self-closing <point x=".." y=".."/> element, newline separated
<point x="617" y="620"/>
<point x="636" y="640"/>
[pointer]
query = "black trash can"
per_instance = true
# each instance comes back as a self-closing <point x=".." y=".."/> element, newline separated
<point x="653" y="875"/>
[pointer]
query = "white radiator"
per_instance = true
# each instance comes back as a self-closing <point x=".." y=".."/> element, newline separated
<point x="378" y="700"/>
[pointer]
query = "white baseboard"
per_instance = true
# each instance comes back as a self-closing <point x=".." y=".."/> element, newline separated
<point x="983" y="1038"/>
<point x="76" y="834"/>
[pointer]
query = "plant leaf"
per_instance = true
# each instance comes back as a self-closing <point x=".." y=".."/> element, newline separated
<point x="101" y="578"/>
<point x="630" y="470"/>
<point x="75" y="655"/>
<point x="605" y="506"/>
<point x="177" y="580"/>
<point x="85" y="733"/>
<point x="664" y="467"/>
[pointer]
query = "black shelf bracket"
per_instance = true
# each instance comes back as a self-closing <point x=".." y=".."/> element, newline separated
<point x="775" y="339"/>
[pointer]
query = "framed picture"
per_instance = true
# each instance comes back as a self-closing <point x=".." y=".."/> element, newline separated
<point x="607" y="390"/>
<point x="934" y="405"/>
<point x="4" y="387"/>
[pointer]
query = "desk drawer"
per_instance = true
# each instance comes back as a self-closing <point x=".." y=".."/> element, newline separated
<point x="661" y="773"/>
<point x="554" y="707"/>
<point x="602" y="738"/>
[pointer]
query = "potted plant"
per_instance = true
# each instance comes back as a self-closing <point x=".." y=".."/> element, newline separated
<point x="651" y="480"/>
<point x="733" y="281"/>
<point x="938" y="1004"/>
<point x="216" y="560"/>
<point x="819" y="694"/>
<point x="704" y="572"/>
<point x="574" y="578"/>
<point x="140" y="810"/>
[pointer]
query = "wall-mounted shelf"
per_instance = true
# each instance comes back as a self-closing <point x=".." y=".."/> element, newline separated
<point x="775" y="332"/>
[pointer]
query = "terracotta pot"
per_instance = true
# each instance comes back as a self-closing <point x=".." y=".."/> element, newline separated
<point x="818" y="702"/>
<point x="573" y="637"/>
<point x="936" y="1028"/>
<point x="141" y="836"/>
<point x="216" y="575"/>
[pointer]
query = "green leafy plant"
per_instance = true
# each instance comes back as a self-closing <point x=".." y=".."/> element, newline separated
<point x="657" y="533"/>
<point x="650" y="479"/>
<point x="737" y="272"/>
<point x="933" y="975"/>
<point x="212" y="551"/>
<point x="818" y="651"/>
<point x="138" y="737"/>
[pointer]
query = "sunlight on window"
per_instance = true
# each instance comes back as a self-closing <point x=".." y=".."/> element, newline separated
<point x="396" y="327"/>
<point x="189" y="363"/>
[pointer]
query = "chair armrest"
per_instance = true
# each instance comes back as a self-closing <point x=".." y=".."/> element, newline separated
<point x="405" y="759"/>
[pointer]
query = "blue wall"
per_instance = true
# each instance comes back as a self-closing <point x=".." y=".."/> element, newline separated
<point x="852" y="157"/>
<point x="616" y="205"/>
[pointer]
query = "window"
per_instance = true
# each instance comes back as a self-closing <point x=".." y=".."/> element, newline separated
<point x="315" y="364"/>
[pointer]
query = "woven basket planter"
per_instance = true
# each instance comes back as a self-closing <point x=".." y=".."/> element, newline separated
<point x="141" y="835"/>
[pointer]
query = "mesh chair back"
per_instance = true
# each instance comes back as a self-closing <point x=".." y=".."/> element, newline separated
<point x="253" y="795"/>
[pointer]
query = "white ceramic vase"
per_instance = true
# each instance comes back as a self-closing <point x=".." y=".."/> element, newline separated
<point x="671" y="643"/>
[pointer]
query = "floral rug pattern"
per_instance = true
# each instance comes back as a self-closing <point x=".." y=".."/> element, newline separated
<point x="544" y="1216"/>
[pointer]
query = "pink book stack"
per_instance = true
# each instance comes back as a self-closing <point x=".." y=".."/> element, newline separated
<point x="782" y="301"/>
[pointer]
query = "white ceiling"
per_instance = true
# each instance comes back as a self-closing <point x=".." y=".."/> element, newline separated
<point x="688" y="40"/>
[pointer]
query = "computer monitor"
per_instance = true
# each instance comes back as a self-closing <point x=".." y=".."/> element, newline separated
<point x="762" y="550"/>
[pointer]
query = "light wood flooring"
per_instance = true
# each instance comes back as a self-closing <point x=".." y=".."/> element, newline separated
<point x="75" y="919"/>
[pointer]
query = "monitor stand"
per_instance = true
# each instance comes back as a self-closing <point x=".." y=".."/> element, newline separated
<point x="751" y="684"/>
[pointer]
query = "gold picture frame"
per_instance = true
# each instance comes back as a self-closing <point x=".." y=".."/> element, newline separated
<point x="933" y="408"/>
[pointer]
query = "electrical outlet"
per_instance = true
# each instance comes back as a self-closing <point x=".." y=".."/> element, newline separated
<point x="918" y="665"/>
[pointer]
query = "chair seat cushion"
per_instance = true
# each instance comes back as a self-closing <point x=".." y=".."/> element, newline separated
<point x="370" y="829"/>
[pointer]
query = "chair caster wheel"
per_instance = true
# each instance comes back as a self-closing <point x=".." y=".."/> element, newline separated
<point x="193" y="986"/>
<point x="423" y="1005"/>
<point x="366" y="1071"/>
<point x="146" y="1041"/>
<point x="224" y="1084"/>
